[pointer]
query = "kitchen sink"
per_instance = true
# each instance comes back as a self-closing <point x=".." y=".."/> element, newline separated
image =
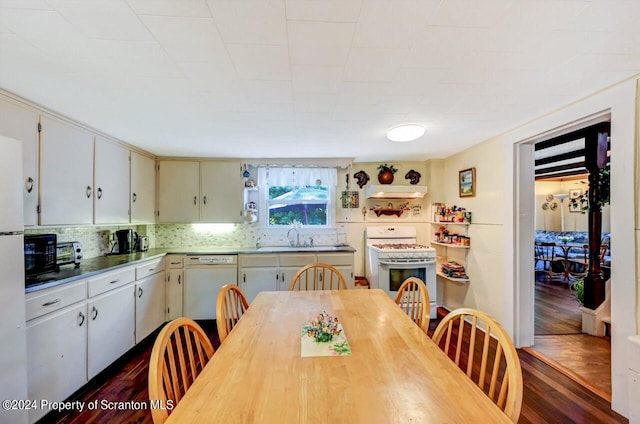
<point x="297" y="249"/>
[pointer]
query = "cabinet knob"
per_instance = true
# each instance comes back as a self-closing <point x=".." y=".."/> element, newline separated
<point x="99" y="193"/>
<point x="134" y="197"/>
<point x="29" y="184"/>
<point x="88" y="191"/>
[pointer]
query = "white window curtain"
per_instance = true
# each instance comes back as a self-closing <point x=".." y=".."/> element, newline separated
<point x="297" y="176"/>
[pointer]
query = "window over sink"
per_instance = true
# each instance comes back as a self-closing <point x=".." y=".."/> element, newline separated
<point x="297" y="194"/>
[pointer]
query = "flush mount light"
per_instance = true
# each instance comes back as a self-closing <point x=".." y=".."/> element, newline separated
<point x="405" y="132"/>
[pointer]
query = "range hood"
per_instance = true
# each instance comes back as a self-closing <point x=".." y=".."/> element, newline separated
<point x="395" y="191"/>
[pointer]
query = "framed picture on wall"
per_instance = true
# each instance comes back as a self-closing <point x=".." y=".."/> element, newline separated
<point x="575" y="207"/>
<point x="467" y="182"/>
<point x="575" y="193"/>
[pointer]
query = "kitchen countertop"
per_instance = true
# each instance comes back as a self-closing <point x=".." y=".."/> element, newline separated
<point x="94" y="266"/>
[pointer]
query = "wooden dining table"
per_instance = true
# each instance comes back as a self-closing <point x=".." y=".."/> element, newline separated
<point x="394" y="374"/>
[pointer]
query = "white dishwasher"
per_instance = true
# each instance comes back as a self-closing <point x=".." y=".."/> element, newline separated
<point x="204" y="276"/>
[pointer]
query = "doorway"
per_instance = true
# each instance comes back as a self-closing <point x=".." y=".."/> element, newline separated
<point x="562" y="227"/>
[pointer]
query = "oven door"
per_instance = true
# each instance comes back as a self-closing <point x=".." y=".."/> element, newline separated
<point x="392" y="273"/>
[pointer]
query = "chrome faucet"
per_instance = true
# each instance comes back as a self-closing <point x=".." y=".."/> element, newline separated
<point x="297" y="237"/>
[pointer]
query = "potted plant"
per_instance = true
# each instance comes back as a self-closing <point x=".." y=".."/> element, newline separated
<point x="582" y="201"/>
<point x="385" y="174"/>
<point x="577" y="288"/>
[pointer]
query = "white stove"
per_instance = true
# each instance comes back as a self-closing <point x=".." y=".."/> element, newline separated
<point x="393" y="255"/>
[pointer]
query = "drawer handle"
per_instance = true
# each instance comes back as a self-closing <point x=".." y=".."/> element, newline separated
<point x="114" y="281"/>
<point x="52" y="302"/>
<point x="29" y="184"/>
<point x="94" y="313"/>
<point x="81" y="317"/>
<point x="152" y="269"/>
<point x="175" y="263"/>
<point x="140" y="291"/>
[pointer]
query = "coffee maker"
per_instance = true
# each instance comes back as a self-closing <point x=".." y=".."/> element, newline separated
<point x="126" y="240"/>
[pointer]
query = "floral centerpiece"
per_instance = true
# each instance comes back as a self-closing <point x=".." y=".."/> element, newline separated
<point x="565" y="239"/>
<point x="323" y="327"/>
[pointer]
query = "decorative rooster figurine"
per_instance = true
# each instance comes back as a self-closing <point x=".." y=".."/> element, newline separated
<point x="362" y="178"/>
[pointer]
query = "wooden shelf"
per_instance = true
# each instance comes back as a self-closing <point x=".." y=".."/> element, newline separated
<point x="450" y="223"/>
<point x="389" y="211"/>
<point x="455" y="246"/>
<point x="457" y="280"/>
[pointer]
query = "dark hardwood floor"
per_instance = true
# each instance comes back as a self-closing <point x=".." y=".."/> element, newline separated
<point x="559" y="340"/>
<point x="556" y="310"/>
<point x="549" y="396"/>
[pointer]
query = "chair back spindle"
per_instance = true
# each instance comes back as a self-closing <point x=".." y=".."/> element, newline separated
<point x="466" y="334"/>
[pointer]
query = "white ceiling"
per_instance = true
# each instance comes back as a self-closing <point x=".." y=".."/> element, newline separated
<point x="312" y="78"/>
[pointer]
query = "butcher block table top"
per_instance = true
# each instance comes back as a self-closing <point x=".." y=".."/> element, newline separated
<point x="395" y="373"/>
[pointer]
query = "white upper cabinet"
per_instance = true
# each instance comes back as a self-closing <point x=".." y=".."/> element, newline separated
<point x="66" y="174"/>
<point x="178" y="191"/>
<point x="143" y="188"/>
<point x="21" y="123"/>
<point x="111" y="196"/>
<point x="221" y="189"/>
<point x="207" y="191"/>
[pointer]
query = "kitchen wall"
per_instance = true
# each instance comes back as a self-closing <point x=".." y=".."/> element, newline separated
<point x="485" y="258"/>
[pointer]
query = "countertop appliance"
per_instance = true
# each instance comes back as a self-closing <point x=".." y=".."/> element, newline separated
<point x="69" y="253"/>
<point x="40" y="254"/>
<point x="126" y="241"/>
<point x="143" y="244"/>
<point x="393" y="255"/>
<point x="13" y="339"/>
<point x="204" y="276"/>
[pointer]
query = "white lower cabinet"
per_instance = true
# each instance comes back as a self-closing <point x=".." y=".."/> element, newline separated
<point x="56" y="355"/>
<point x="150" y="304"/>
<point x="257" y="273"/>
<point x="174" y="285"/>
<point x="264" y="272"/>
<point x="290" y="264"/>
<point x="111" y="333"/>
<point x="343" y="262"/>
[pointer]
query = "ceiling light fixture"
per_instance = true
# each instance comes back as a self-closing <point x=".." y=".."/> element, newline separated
<point x="405" y="132"/>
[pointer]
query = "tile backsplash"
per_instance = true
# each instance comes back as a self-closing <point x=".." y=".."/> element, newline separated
<point x="98" y="241"/>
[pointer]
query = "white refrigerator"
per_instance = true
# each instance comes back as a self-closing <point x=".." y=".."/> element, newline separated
<point x="13" y="341"/>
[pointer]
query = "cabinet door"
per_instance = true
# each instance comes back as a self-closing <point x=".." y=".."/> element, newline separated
<point x="221" y="188"/>
<point x="343" y="262"/>
<point x="66" y="174"/>
<point x="143" y="188"/>
<point x="21" y="124"/>
<point x="286" y="274"/>
<point x="111" y="319"/>
<point x="150" y="299"/>
<point x="174" y="294"/>
<point x="111" y="199"/>
<point x="56" y="355"/>
<point x="178" y="191"/>
<point x="254" y="280"/>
